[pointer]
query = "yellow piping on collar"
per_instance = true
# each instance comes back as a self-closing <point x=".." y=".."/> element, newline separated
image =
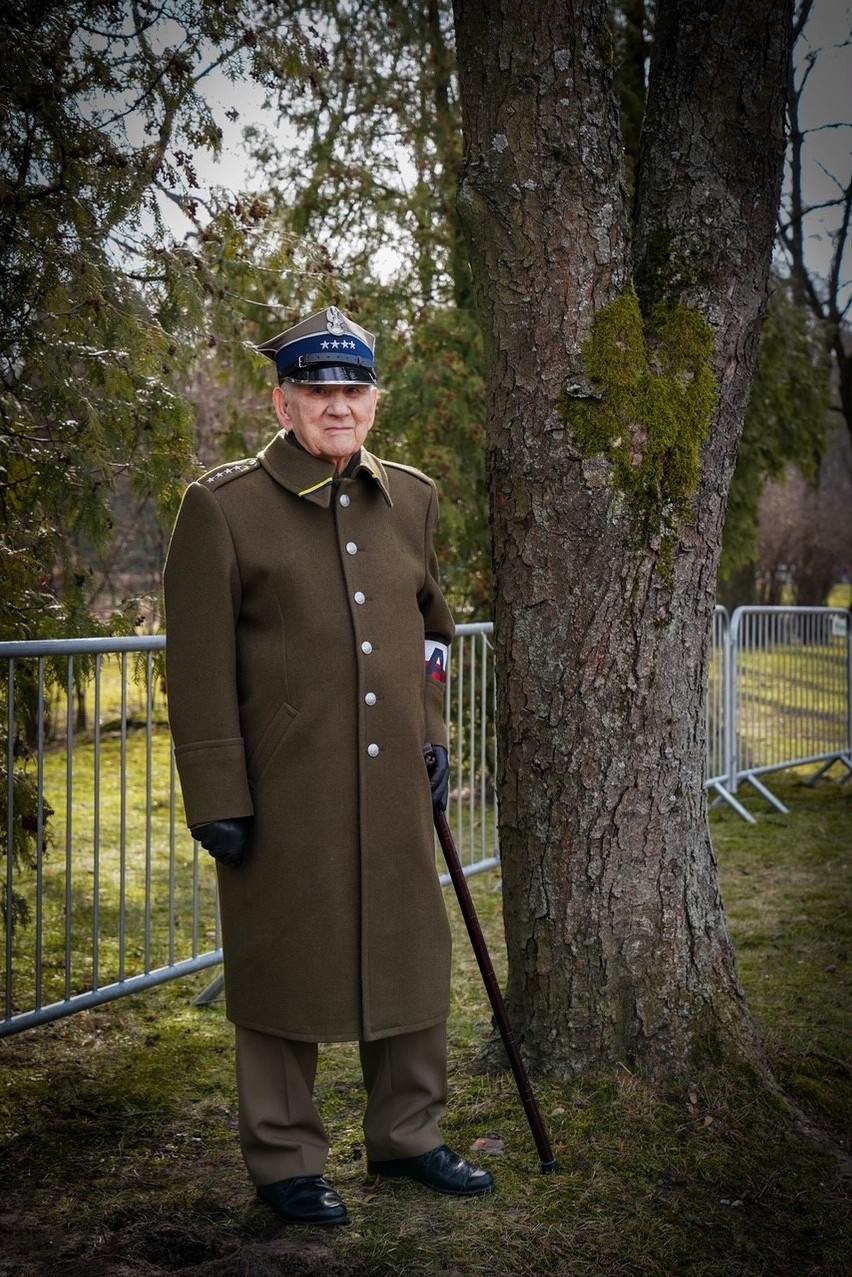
<point x="306" y="492"/>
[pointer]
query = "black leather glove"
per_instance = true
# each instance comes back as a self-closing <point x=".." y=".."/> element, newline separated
<point x="438" y="766"/>
<point x="226" y="840"/>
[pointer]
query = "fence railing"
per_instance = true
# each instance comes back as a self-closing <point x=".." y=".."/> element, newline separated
<point x="105" y="892"/>
<point x="716" y="767"/>
<point x="470" y="710"/>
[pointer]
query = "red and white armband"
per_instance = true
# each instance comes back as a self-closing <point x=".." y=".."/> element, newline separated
<point x="436" y="657"/>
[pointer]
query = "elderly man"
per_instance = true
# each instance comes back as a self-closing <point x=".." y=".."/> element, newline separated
<point x="307" y="643"/>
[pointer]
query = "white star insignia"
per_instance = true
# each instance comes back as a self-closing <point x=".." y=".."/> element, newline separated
<point x="324" y="345"/>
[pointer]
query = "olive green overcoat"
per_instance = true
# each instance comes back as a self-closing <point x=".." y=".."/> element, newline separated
<point x="296" y="608"/>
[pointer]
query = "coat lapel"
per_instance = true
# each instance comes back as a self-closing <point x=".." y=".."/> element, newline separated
<point x="311" y="478"/>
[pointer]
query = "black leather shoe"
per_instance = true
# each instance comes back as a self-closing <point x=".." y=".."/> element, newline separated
<point x="305" y="1199"/>
<point x="442" y="1169"/>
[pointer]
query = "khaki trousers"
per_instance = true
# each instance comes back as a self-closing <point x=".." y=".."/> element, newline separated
<point x="281" y="1133"/>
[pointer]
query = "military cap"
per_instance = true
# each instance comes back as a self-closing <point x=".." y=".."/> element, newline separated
<point x="327" y="346"/>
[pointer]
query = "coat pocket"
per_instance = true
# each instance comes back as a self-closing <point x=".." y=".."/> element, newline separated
<point x="271" y="737"/>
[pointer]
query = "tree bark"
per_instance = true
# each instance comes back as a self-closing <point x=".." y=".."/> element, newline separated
<point x="617" y="944"/>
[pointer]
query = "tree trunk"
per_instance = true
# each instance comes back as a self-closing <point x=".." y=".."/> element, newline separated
<point x="843" y="357"/>
<point x="612" y="441"/>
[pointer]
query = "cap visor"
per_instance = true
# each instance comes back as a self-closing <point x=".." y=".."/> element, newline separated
<point x="332" y="373"/>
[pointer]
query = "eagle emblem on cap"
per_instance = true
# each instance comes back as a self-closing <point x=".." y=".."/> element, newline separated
<point x="335" y="323"/>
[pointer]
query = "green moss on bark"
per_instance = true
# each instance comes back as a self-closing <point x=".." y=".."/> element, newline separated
<point x="657" y="392"/>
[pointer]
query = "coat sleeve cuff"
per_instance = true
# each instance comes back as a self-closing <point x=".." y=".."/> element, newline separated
<point x="213" y="780"/>
<point x="436" y="727"/>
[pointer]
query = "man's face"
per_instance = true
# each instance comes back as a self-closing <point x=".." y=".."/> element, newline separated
<point x="330" y="421"/>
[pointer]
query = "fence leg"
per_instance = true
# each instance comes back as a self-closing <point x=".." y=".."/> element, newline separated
<point x="845" y="759"/>
<point x="767" y="794"/>
<point x="211" y="992"/>
<point x="724" y="795"/>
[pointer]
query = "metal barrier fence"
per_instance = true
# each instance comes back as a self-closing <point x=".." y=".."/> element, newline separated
<point x="779" y="695"/>
<point x="105" y="892"/>
<point x="716" y="768"/>
<point x="789" y="693"/>
<point x="471" y="716"/>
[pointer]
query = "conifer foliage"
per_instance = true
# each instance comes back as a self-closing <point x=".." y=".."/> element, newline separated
<point x="102" y="308"/>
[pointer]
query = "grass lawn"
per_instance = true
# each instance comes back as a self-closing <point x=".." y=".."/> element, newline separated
<point x="133" y="881"/>
<point x="119" y="1156"/>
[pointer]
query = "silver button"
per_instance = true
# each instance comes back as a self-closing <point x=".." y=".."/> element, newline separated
<point x="344" y="500"/>
<point x="372" y="750"/>
<point x="370" y="698"/>
<point x="351" y="547"/>
<point x="360" y="596"/>
<point x="366" y="646"/>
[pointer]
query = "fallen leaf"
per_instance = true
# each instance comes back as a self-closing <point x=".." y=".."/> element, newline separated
<point x="488" y="1144"/>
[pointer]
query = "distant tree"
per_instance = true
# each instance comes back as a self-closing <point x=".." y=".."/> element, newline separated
<point x="785" y="424"/>
<point x="815" y="230"/>
<point x="632" y="26"/>
<point x="366" y="158"/>
<point x="804" y="540"/>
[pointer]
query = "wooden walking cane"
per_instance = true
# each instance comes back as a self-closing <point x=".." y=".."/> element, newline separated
<point x="547" y="1162"/>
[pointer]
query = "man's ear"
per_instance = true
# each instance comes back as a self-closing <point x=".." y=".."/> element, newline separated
<point x="281" y="410"/>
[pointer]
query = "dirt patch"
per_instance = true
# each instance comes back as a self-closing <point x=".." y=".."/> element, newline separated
<point x="279" y="1258"/>
<point x="145" y="1251"/>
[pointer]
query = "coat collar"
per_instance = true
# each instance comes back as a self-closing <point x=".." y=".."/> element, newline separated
<point x="310" y="477"/>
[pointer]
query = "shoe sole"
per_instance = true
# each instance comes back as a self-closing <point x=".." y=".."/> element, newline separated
<point x="310" y="1223"/>
<point x="301" y="1221"/>
<point x="435" y="1188"/>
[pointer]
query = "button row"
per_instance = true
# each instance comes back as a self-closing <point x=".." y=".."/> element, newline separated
<point x="366" y="647"/>
<point x="360" y="598"/>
